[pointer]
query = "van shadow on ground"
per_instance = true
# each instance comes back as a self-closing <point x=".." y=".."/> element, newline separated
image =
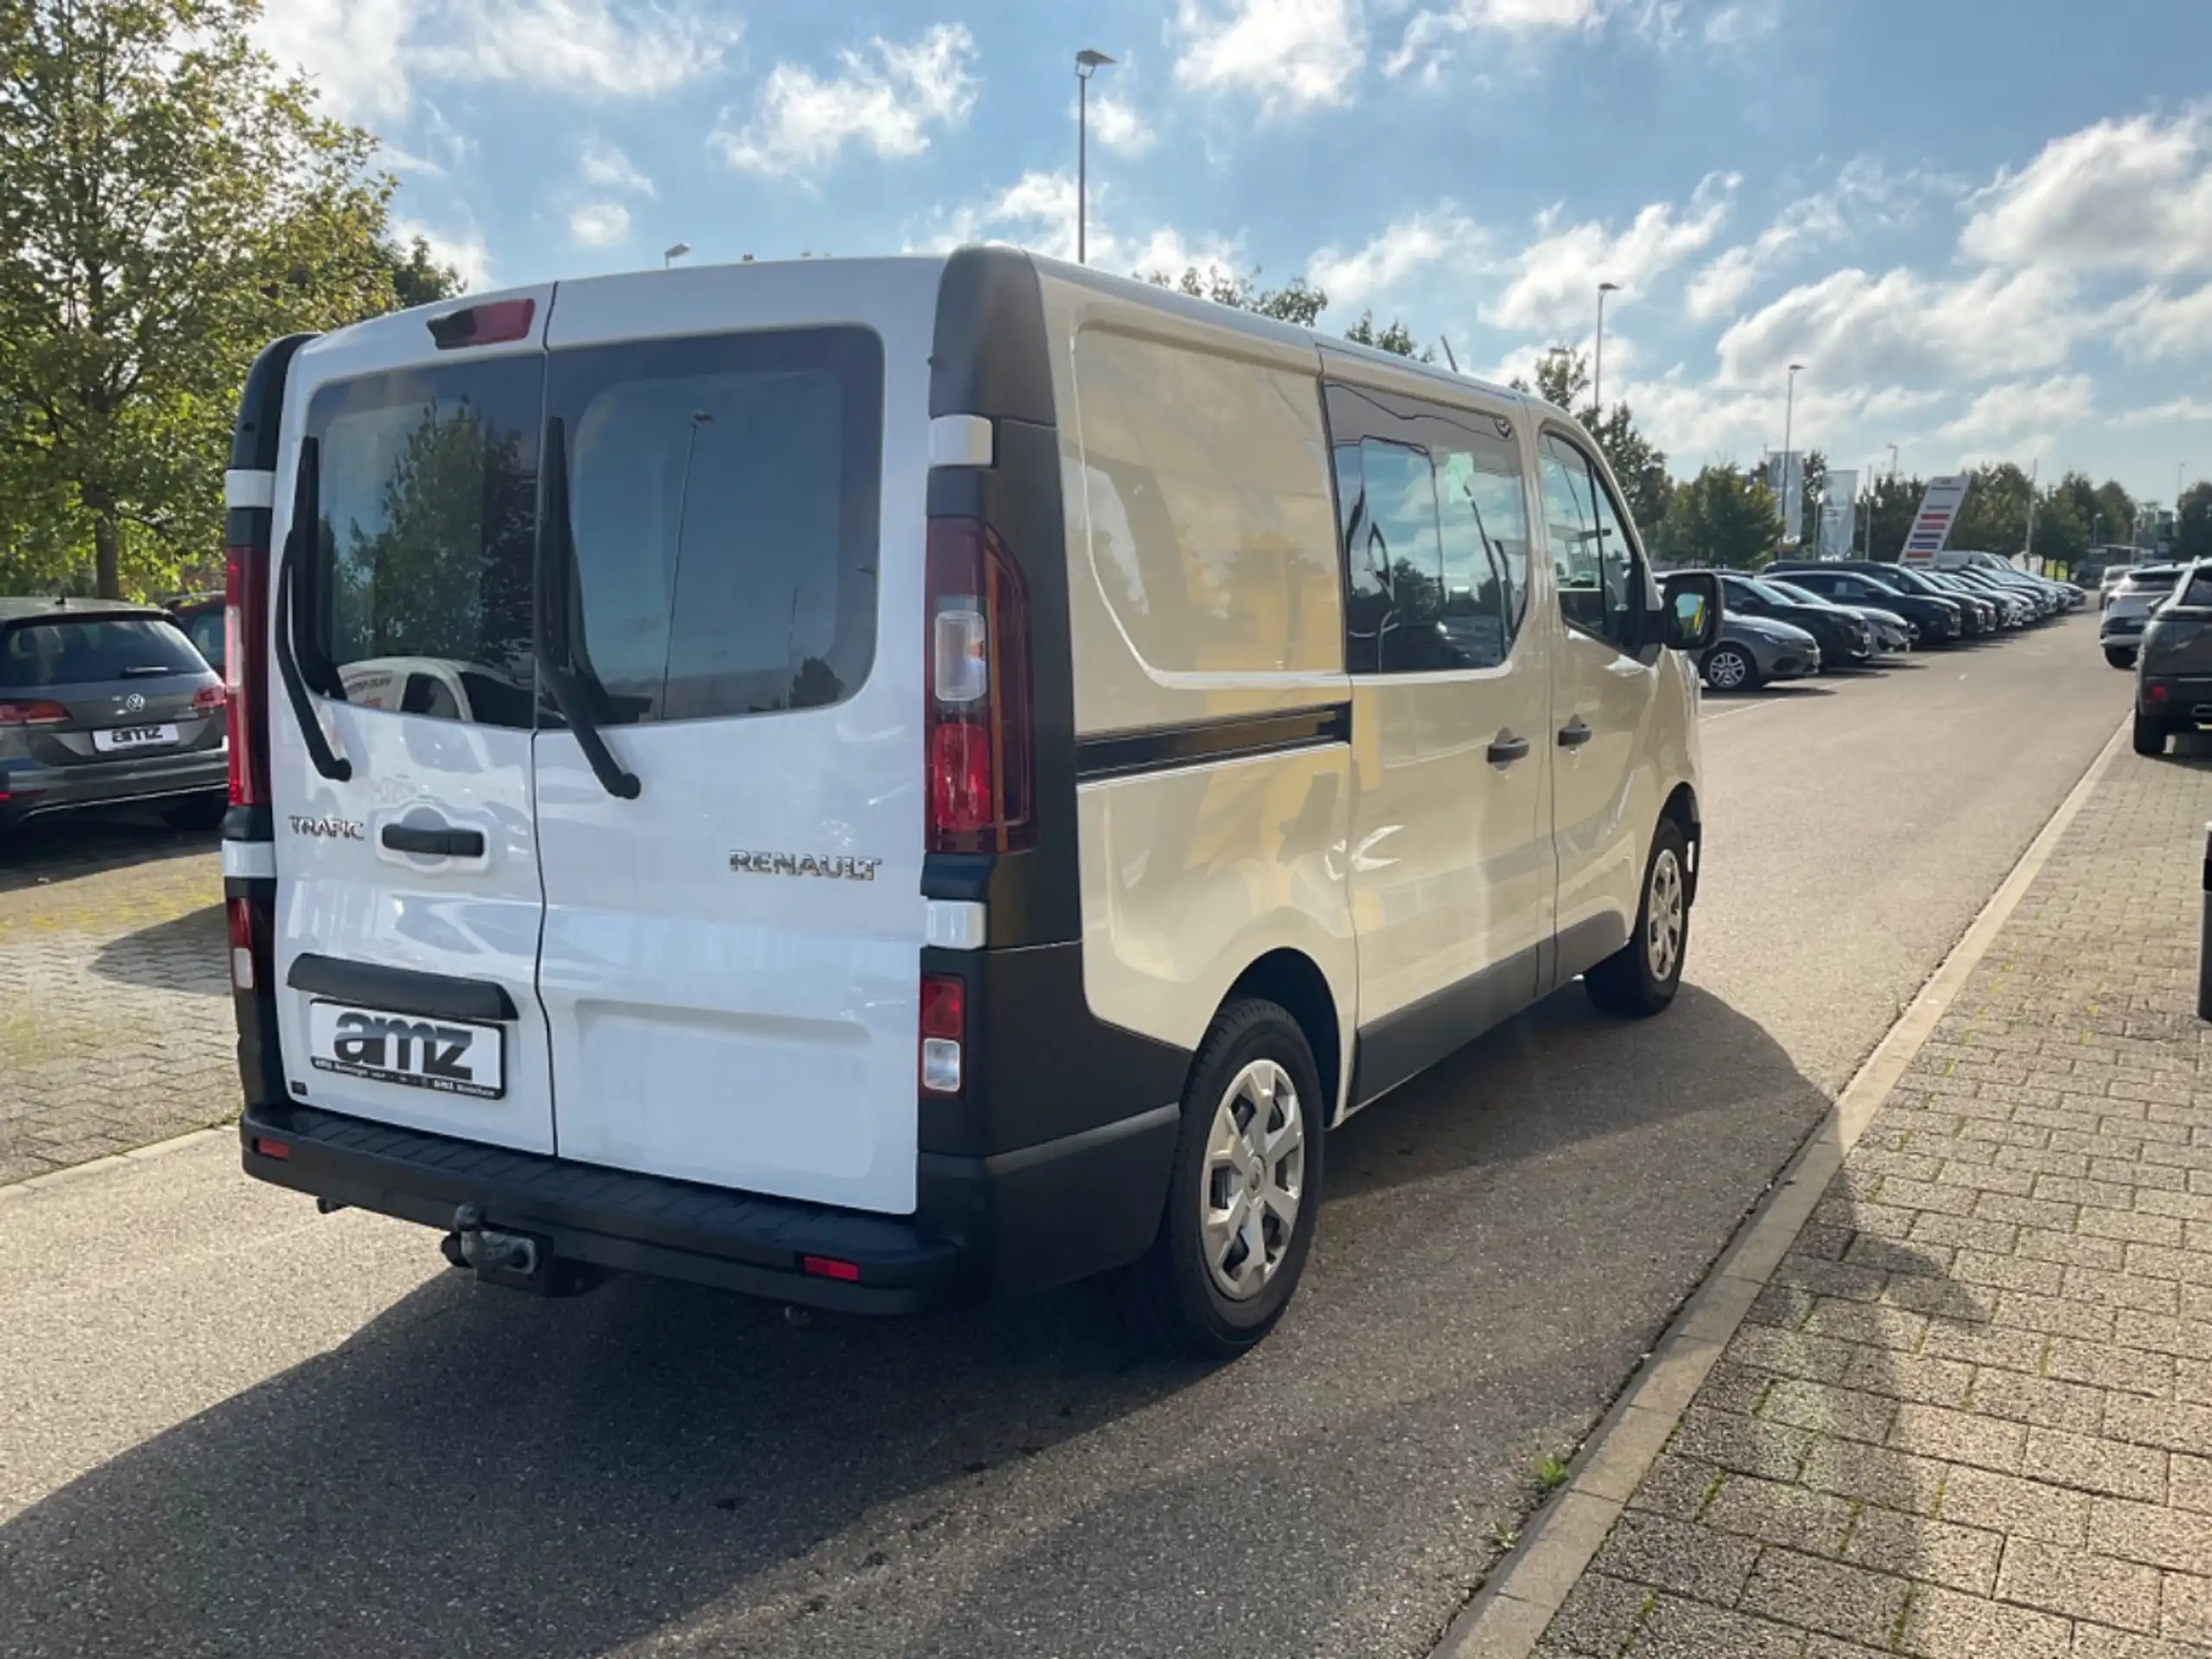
<point x="476" y="1473"/>
<point x="188" y="953"/>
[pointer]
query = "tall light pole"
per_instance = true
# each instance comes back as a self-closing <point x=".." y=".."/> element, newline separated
<point x="1598" y="371"/>
<point x="1087" y="64"/>
<point x="1893" y="461"/>
<point x="1788" y="421"/>
<point x="670" y="255"/>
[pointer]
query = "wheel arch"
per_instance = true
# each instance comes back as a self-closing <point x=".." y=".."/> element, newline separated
<point x="1294" y="980"/>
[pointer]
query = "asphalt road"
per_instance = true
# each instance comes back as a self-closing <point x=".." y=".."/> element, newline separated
<point x="228" y="1427"/>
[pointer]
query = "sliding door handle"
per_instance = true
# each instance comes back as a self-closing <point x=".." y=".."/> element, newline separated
<point x="1507" y="749"/>
<point x="1574" y="734"/>
<point x="425" y="840"/>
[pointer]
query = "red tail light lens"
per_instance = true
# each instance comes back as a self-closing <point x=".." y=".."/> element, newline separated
<point x="246" y="671"/>
<point x="211" y="697"/>
<point x="944" y="1030"/>
<point x="829" y="1266"/>
<point x="980" y="747"/>
<point x="252" y="938"/>
<point x="41" y="713"/>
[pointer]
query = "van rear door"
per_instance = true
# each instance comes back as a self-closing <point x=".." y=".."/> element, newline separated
<point x="732" y="956"/>
<point x="408" y="905"/>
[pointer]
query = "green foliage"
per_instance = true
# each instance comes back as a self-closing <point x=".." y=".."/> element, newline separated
<point x="1395" y="337"/>
<point x="2193" y="522"/>
<point x="1639" y="465"/>
<point x="1897" y="501"/>
<point x="169" y="203"/>
<point x="417" y="276"/>
<point x="1292" y="302"/>
<point x="2116" y="515"/>
<point x="1562" y="380"/>
<point x="1725" y="516"/>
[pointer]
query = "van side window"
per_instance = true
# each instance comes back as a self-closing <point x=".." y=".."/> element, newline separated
<point x="1593" y="558"/>
<point x="426" y="545"/>
<point x="1434" y="534"/>
<point x="722" y="510"/>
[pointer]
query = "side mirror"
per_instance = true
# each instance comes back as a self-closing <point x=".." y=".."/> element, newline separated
<point x="1693" y="610"/>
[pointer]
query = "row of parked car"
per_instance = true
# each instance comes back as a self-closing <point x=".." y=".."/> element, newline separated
<point x="1799" y="616"/>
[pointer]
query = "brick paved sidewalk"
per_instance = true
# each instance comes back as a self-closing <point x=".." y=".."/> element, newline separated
<point x="1972" y="1413"/>
<point x="115" y="1014"/>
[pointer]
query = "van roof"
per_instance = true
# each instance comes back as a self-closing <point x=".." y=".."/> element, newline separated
<point x="1136" y="291"/>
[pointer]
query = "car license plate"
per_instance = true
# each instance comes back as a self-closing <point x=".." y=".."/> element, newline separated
<point x="450" y="1057"/>
<point x="133" y="737"/>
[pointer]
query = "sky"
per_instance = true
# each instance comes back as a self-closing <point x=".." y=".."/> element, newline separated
<point x="1984" y="227"/>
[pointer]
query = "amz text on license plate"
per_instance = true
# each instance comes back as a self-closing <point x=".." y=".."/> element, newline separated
<point x="133" y="737"/>
<point x="453" y="1057"/>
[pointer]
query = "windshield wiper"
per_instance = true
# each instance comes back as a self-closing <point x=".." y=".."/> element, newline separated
<point x="305" y="508"/>
<point x="550" y="619"/>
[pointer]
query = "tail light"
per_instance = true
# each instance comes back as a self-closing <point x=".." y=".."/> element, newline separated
<point x="253" y="944"/>
<point x="246" y="671"/>
<point x="982" y="775"/>
<point x="944" y="1030"/>
<point x="211" y="697"/>
<point x="41" y="713"/>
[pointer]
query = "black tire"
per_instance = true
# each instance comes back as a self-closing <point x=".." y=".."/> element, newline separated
<point x="197" y="815"/>
<point x="1625" y="982"/>
<point x="1738" y="672"/>
<point x="1169" y="1296"/>
<point x="2151" y="735"/>
<point x="2119" y="659"/>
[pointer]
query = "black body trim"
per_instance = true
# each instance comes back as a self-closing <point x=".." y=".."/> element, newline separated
<point x="1583" y="946"/>
<point x="400" y="990"/>
<point x="1233" y="737"/>
<point x="1400" y="1046"/>
<point x="982" y="1226"/>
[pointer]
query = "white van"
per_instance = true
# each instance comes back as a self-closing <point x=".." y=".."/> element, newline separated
<point x="1015" y="755"/>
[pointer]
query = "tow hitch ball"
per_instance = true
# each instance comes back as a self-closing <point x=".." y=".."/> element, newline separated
<point x="472" y="1245"/>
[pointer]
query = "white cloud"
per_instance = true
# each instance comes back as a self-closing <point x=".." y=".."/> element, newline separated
<point x="2020" y="416"/>
<point x="2132" y="195"/>
<point x="1852" y="327"/>
<point x="1742" y="22"/>
<point x="606" y="168"/>
<point x="2156" y="323"/>
<point x="1407" y="246"/>
<point x="351" y="50"/>
<point x="885" y="99"/>
<point x="1554" y="280"/>
<point x="2181" y="411"/>
<point x="1429" y="36"/>
<point x="364" y="55"/>
<point x="600" y="224"/>
<point x="1038" y="212"/>
<point x="589" y="48"/>
<point x="1119" y="127"/>
<point x="1293" y="54"/>
<point x="1721" y="286"/>
<point x="464" y="250"/>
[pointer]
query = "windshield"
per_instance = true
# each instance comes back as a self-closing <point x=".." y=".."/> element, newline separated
<point x="96" y="650"/>
<point x="1773" y="594"/>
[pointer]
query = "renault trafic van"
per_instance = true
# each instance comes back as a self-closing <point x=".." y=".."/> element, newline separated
<point x="996" y="761"/>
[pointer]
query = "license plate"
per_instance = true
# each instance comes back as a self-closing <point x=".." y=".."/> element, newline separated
<point x="450" y="1057"/>
<point x="133" y="737"/>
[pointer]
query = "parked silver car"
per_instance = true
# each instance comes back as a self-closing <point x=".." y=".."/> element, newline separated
<point x="1753" y="650"/>
<point x="2145" y="588"/>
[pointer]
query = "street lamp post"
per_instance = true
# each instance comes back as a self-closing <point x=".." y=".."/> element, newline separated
<point x="1598" y="370"/>
<point x="670" y="255"/>
<point x="1087" y="64"/>
<point x="1893" y="461"/>
<point x="1789" y="422"/>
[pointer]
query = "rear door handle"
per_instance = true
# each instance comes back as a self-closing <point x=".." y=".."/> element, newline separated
<point x="428" y="842"/>
<point x="1574" y="734"/>
<point x="1507" y="749"/>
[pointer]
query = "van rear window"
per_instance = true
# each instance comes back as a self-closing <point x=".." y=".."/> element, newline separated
<point x="427" y="493"/>
<point x="722" y="497"/>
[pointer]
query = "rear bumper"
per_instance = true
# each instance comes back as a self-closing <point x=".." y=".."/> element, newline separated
<point x="2174" y="698"/>
<point x="27" y="790"/>
<point x="983" y="1225"/>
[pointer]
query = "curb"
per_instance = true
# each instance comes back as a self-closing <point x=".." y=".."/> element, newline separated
<point x="115" y="1160"/>
<point x="1509" y="1614"/>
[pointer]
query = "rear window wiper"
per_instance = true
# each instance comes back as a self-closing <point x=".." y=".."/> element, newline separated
<point x="307" y="507"/>
<point x="549" y="619"/>
<point x="145" y="671"/>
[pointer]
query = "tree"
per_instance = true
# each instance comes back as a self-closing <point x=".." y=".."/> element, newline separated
<point x="1639" y="465"/>
<point x="2116" y="516"/>
<point x="2061" y="537"/>
<point x="168" y="204"/>
<point x="1725" y="516"/>
<point x="1562" y="380"/>
<point x="1396" y="338"/>
<point x="1813" y="488"/>
<point x="2193" y="522"/>
<point x="417" y="276"/>
<point x="1994" y="518"/>
<point x="1293" y="301"/>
